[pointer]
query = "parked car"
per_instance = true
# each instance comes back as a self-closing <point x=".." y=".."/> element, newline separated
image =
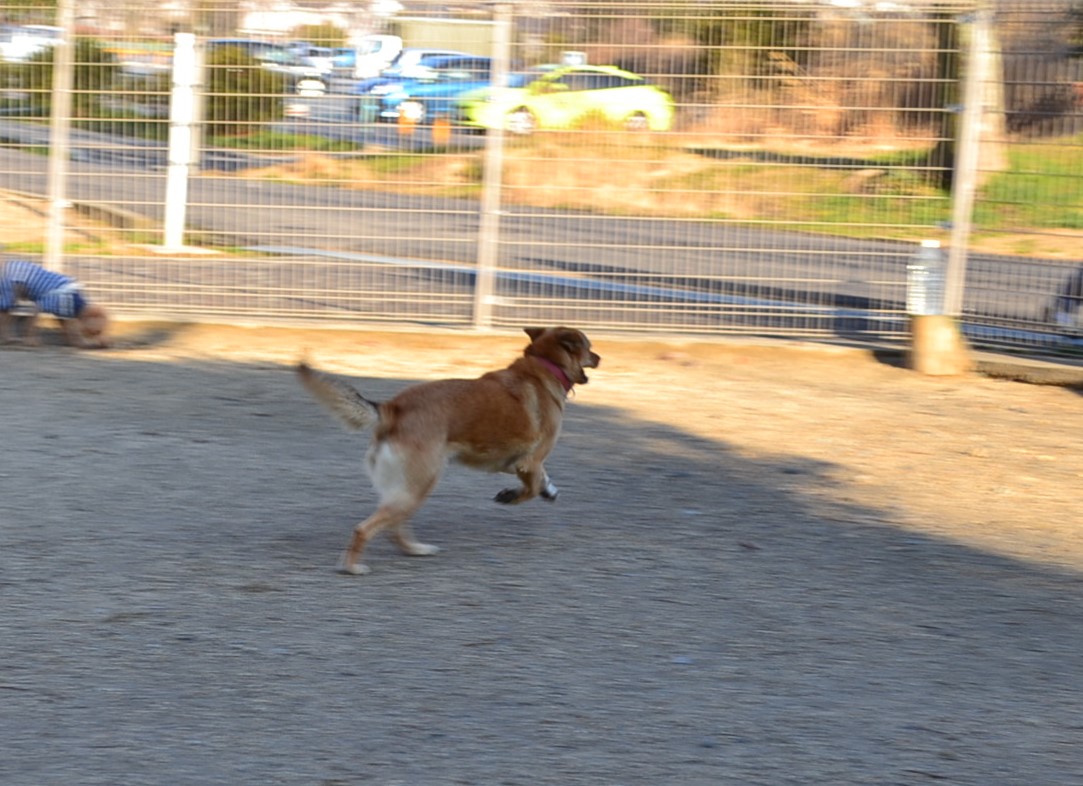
<point x="410" y="64"/>
<point x="433" y="90"/>
<point x="343" y="60"/>
<point x="319" y="58"/>
<point x="254" y="48"/>
<point x="371" y="55"/>
<point x="19" y="43"/>
<point x="564" y="96"/>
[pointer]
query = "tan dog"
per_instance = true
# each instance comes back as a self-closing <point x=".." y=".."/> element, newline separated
<point x="504" y="421"/>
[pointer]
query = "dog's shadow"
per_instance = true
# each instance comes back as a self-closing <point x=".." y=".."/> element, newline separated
<point x="141" y="335"/>
<point x="147" y="334"/>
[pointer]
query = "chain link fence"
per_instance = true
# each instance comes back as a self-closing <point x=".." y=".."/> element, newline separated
<point x="701" y="167"/>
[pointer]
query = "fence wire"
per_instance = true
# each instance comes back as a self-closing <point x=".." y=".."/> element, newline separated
<point x="708" y="167"/>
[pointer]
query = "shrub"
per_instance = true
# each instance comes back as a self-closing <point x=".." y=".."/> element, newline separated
<point x="96" y="72"/>
<point x="241" y="94"/>
<point x="321" y="35"/>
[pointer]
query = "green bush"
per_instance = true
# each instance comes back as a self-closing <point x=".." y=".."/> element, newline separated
<point x="321" y="35"/>
<point x="241" y="94"/>
<point x="95" y="74"/>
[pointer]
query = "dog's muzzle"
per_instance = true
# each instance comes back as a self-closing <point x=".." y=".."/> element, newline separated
<point x="592" y="362"/>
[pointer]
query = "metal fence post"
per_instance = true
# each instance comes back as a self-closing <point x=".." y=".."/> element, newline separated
<point x="492" y="177"/>
<point x="60" y="135"/>
<point x="199" y="97"/>
<point x="181" y="114"/>
<point x="976" y="74"/>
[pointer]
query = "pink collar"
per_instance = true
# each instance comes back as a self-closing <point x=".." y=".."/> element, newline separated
<point x="556" y="371"/>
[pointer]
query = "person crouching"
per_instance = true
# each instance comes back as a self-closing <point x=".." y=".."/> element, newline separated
<point x="83" y="323"/>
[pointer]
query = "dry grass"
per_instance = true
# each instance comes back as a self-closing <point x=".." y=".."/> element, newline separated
<point x="630" y="179"/>
<point x="448" y="175"/>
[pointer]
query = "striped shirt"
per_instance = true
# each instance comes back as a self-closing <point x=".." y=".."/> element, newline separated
<point x="53" y="293"/>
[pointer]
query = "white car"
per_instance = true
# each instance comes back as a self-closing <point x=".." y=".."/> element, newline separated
<point x="318" y="58"/>
<point x="372" y="55"/>
<point x="19" y="43"/>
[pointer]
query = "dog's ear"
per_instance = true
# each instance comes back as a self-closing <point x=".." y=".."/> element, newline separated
<point x="571" y="340"/>
<point x="533" y="332"/>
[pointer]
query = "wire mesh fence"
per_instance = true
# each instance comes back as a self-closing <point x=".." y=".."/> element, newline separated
<point x="1029" y="217"/>
<point x="712" y="167"/>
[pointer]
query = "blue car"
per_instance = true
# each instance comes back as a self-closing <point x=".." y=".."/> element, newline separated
<point x="430" y="94"/>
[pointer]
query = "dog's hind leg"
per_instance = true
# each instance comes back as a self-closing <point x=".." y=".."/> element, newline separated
<point x="387" y="516"/>
<point x="423" y="477"/>
<point x="403" y="484"/>
<point x="403" y="536"/>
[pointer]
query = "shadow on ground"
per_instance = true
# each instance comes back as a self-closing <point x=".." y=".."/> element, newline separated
<point x="139" y="336"/>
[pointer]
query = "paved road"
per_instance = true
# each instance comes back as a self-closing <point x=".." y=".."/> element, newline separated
<point x="640" y="257"/>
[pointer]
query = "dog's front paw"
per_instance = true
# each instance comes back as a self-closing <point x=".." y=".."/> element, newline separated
<point x="549" y="491"/>
<point x="508" y="496"/>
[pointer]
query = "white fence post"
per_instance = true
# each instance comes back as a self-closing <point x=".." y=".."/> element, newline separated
<point x="976" y="73"/>
<point x="492" y="177"/>
<point x="60" y="136"/>
<point x="181" y="120"/>
<point x="199" y="95"/>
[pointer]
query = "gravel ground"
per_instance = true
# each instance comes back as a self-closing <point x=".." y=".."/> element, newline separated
<point x="769" y="564"/>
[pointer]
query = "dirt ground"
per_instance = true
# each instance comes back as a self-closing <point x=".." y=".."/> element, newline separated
<point x="930" y="452"/>
<point x="769" y="564"/>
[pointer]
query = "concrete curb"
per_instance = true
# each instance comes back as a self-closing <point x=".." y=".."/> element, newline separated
<point x="1033" y="371"/>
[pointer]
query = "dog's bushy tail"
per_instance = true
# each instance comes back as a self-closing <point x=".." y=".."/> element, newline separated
<point x="354" y="410"/>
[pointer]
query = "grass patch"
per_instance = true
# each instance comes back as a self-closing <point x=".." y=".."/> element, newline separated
<point x="272" y="141"/>
<point x="34" y="150"/>
<point x="1043" y="189"/>
<point x="126" y="124"/>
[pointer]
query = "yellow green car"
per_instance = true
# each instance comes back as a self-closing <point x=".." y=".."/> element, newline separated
<point x="562" y="97"/>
